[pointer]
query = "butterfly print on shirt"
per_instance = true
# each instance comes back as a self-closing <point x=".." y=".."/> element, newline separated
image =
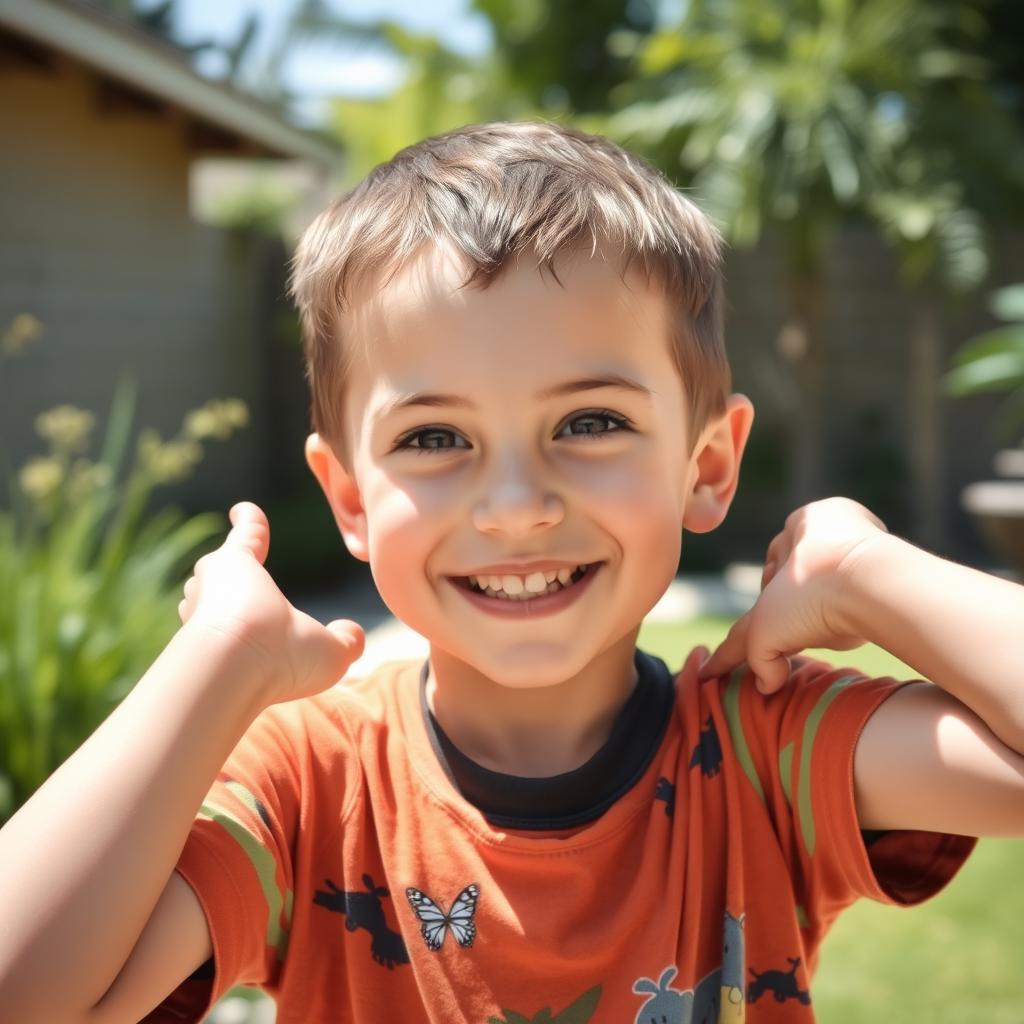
<point x="434" y="922"/>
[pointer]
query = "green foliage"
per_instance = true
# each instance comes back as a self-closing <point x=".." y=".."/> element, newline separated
<point x="89" y="586"/>
<point x="994" y="361"/>
<point x="800" y="116"/>
<point x="441" y="90"/>
<point x="568" y="58"/>
<point x="261" y="207"/>
<point x="550" y="60"/>
<point x="578" y="1012"/>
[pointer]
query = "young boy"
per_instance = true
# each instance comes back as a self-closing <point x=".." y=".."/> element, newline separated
<point x="521" y="400"/>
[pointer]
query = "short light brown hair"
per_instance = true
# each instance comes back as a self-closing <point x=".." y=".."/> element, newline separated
<point x="493" y="192"/>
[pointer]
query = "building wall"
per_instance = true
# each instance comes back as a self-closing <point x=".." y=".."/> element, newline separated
<point x="96" y="241"/>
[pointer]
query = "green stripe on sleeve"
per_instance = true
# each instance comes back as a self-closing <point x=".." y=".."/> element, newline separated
<point x="786" y="771"/>
<point x="731" y="706"/>
<point x="806" y="749"/>
<point x="262" y="861"/>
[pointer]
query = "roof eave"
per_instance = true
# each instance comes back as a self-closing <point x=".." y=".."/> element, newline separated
<point x="124" y="52"/>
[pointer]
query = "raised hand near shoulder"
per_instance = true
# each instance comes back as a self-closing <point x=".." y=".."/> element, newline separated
<point x="232" y="596"/>
<point x="801" y="589"/>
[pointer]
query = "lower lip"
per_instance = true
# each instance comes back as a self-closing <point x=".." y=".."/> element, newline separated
<point x="549" y="604"/>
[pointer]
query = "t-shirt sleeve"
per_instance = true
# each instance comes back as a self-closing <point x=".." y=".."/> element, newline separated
<point x="797" y="749"/>
<point x="238" y="860"/>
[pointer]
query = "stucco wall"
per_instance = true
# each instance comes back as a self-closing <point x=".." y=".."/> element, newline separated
<point x="96" y="241"/>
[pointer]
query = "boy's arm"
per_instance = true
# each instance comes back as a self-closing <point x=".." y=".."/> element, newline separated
<point x="957" y="627"/>
<point x="88" y="857"/>
<point x="90" y="908"/>
<point x="943" y="757"/>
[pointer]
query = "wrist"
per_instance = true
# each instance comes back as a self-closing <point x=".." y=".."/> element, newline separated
<point x="247" y="666"/>
<point x="860" y="580"/>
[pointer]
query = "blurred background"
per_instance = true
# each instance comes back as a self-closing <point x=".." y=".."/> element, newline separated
<point x="864" y="158"/>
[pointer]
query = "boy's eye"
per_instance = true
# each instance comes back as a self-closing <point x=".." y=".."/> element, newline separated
<point x="592" y="425"/>
<point x="430" y="439"/>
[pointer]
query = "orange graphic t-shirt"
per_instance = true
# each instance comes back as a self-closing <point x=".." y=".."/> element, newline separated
<point x="341" y="870"/>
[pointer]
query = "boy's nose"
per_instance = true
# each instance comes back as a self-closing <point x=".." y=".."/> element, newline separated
<point x="515" y="503"/>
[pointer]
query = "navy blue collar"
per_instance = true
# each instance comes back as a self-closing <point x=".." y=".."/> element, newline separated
<point x="583" y="794"/>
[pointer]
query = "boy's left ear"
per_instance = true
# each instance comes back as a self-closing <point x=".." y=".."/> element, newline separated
<point x="715" y="465"/>
<point x="342" y="492"/>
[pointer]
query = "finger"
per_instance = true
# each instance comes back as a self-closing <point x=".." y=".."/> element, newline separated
<point x="181" y="612"/>
<point x="774" y="552"/>
<point x="250" y="529"/>
<point x="770" y="671"/>
<point x="730" y="652"/>
<point x="770" y="568"/>
<point x="771" y="668"/>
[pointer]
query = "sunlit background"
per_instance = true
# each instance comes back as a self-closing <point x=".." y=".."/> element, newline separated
<point x="864" y="159"/>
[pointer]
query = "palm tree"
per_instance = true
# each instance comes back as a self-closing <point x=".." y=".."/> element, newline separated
<point x="799" y="116"/>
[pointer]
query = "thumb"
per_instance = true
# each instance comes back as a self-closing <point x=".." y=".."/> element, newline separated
<point x="249" y="529"/>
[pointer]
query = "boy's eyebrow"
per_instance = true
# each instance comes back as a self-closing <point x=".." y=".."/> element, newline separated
<point x="571" y="387"/>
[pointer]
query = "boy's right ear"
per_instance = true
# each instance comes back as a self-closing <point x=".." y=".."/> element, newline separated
<point x="342" y="492"/>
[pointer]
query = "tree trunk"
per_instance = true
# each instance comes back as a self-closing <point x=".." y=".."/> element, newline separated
<point x="807" y="478"/>
<point x="926" y="463"/>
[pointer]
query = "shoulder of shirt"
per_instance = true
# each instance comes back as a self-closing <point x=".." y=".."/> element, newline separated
<point x="805" y="670"/>
<point x="352" y="702"/>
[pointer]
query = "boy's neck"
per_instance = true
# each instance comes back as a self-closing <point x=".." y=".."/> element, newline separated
<point x="531" y="732"/>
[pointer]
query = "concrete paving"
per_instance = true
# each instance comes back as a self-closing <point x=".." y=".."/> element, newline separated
<point x="730" y="593"/>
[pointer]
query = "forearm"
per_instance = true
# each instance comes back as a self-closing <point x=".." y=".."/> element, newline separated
<point x="86" y="859"/>
<point x="955" y="626"/>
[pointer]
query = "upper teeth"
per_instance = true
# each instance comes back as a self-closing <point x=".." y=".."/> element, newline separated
<point x="535" y="583"/>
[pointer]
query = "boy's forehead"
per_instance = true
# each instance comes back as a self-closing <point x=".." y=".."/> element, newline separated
<point x="425" y="330"/>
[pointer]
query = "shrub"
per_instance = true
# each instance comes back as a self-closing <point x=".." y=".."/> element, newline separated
<point x="89" y="584"/>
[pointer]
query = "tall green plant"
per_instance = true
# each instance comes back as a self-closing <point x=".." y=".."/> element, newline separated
<point x="89" y="585"/>
<point x="993" y="362"/>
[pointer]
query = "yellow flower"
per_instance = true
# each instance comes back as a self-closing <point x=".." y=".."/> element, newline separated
<point x="171" y="462"/>
<point x="65" y="427"/>
<point x="201" y="423"/>
<point x="40" y="477"/>
<point x="236" y="412"/>
<point x="149" y="442"/>
<point x="218" y="418"/>
<point x="87" y="477"/>
<point x="24" y="329"/>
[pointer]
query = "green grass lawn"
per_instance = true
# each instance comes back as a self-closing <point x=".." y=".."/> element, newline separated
<point x="957" y="958"/>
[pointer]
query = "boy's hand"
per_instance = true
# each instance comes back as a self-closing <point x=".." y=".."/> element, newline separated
<point x="799" y="604"/>
<point x="231" y="594"/>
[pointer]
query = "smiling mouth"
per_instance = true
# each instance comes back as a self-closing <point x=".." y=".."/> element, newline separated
<point x="554" y="587"/>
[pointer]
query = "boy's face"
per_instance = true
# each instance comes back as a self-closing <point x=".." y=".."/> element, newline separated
<point x="521" y="462"/>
